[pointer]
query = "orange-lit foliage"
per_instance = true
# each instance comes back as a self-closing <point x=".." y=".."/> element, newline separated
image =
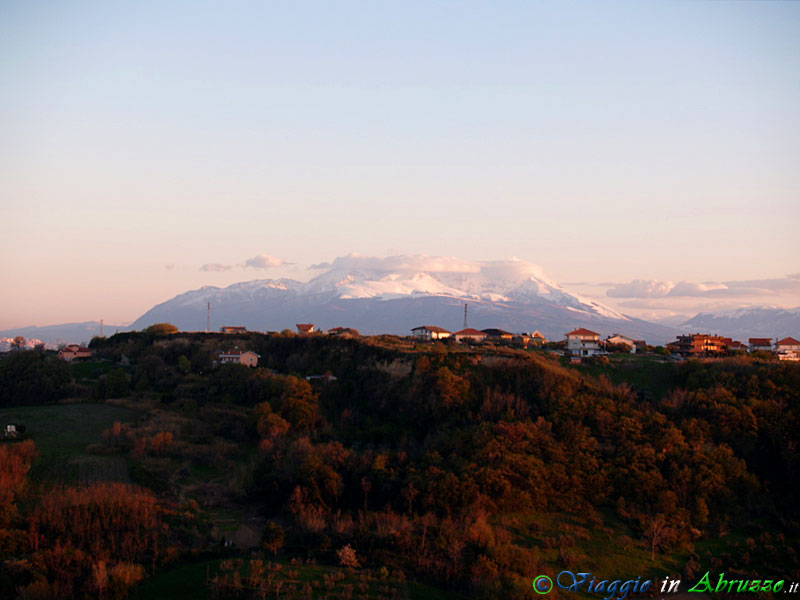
<point x="162" y="442"/>
<point x="107" y="520"/>
<point x="15" y="462"/>
<point x="77" y="540"/>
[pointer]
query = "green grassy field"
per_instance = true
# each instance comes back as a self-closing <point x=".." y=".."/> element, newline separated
<point x="92" y="369"/>
<point x="646" y="372"/>
<point x="62" y="434"/>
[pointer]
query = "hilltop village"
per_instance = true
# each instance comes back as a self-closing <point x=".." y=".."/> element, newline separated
<point x="578" y="344"/>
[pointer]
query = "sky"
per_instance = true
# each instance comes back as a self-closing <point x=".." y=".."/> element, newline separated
<point x="631" y="149"/>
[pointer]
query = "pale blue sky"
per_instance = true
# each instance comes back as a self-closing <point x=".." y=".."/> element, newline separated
<point x="605" y="141"/>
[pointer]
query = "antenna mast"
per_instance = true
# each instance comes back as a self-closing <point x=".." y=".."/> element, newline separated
<point x="465" y="314"/>
<point x="208" y="318"/>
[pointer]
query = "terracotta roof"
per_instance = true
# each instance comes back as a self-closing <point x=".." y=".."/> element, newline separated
<point x="432" y="328"/>
<point x="305" y="326"/>
<point x="582" y="331"/>
<point x="788" y="341"/>
<point x="469" y="332"/>
<point x="760" y="341"/>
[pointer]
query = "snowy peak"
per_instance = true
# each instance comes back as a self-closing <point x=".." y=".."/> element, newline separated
<point x="394" y="294"/>
<point x="512" y="280"/>
<point x="356" y="277"/>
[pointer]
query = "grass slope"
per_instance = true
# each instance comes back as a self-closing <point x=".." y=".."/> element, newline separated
<point x="62" y="434"/>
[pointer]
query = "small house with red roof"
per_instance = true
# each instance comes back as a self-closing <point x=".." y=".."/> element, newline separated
<point x="73" y="352"/>
<point x="788" y="349"/>
<point x="469" y="335"/>
<point x="737" y="345"/>
<point x="583" y="342"/>
<point x="760" y="344"/>
<point x="305" y="328"/>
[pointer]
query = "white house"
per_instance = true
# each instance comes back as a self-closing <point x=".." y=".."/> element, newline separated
<point x="537" y="337"/>
<point x="622" y="339"/>
<point x="583" y="342"/>
<point x="430" y="332"/>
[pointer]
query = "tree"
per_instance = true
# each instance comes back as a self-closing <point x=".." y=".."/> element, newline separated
<point x="347" y="557"/>
<point x="161" y="329"/>
<point x="273" y="537"/>
<point x="116" y="384"/>
<point x="30" y="377"/>
<point x="657" y="533"/>
<point x="184" y="366"/>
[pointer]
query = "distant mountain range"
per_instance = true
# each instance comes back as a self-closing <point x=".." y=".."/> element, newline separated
<point x="745" y="323"/>
<point x="393" y="295"/>
<point x="65" y="333"/>
<point x="376" y="296"/>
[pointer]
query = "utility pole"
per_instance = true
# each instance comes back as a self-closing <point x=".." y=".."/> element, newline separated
<point x="101" y="327"/>
<point x="465" y="314"/>
<point x="208" y="318"/>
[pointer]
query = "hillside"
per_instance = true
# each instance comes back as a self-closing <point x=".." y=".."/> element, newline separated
<point x="444" y="469"/>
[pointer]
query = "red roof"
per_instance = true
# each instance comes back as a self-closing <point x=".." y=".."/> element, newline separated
<point x="788" y="341"/>
<point x="470" y="332"/>
<point x="760" y="341"/>
<point x="583" y="331"/>
<point x="305" y="326"/>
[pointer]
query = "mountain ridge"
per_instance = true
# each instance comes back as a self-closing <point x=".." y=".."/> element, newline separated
<point x="396" y="294"/>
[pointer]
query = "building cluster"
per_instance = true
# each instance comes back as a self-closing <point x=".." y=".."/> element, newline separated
<point x="474" y="336"/>
<point x="583" y="343"/>
<point x="580" y="343"/>
<point x="250" y="358"/>
<point x="703" y="344"/>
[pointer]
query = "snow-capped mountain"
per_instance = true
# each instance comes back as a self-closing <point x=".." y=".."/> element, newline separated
<point x="743" y="323"/>
<point x="394" y="294"/>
